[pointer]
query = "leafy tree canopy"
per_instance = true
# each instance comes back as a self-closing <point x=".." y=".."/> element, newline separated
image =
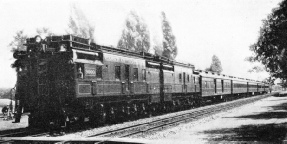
<point x="270" y="48"/>
<point x="44" y="32"/>
<point x="135" y="35"/>
<point x="18" y="42"/>
<point x="157" y="47"/>
<point x="169" y="41"/>
<point x="215" y="65"/>
<point x="79" y="24"/>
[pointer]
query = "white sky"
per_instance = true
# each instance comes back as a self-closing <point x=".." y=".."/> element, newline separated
<point x="202" y="28"/>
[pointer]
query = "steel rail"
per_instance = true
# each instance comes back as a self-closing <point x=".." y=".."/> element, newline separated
<point x="175" y="120"/>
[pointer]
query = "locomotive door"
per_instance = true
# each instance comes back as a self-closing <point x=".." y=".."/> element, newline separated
<point x="184" y="83"/>
<point x="222" y="86"/>
<point x="127" y="78"/>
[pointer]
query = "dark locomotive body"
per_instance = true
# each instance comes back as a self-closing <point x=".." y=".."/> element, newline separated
<point x="65" y="79"/>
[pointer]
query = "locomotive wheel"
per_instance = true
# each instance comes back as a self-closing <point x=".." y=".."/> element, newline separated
<point x="165" y="108"/>
<point x="134" y="112"/>
<point x="143" y="110"/>
<point x="92" y="121"/>
<point x="168" y="107"/>
<point x="152" y="110"/>
<point x="112" y="115"/>
<point x="191" y="100"/>
<point x="178" y="105"/>
<point x="173" y="106"/>
<point x="188" y="103"/>
<point x="102" y="116"/>
<point x="120" y="115"/>
<point x="128" y="112"/>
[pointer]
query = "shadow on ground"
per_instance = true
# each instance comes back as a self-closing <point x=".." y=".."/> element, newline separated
<point x="264" y="116"/>
<point x="3" y="132"/>
<point x="282" y="106"/>
<point x="267" y="133"/>
<point x="278" y="111"/>
<point x="274" y="133"/>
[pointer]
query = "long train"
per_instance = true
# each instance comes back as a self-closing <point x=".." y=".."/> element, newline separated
<point x="67" y="79"/>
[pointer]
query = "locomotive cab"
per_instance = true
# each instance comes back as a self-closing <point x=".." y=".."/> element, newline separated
<point x="46" y="75"/>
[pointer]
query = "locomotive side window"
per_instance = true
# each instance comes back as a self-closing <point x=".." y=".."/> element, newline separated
<point x="80" y="71"/>
<point x="144" y="74"/>
<point x="194" y="80"/>
<point x="136" y="77"/>
<point x="117" y="72"/>
<point x="187" y="78"/>
<point x="127" y="73"/>
<point x="99" y="72"/>
<point x="180" y="78"/>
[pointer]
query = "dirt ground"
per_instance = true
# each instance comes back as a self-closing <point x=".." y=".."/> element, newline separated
<point x="263" y="121"/>
<point x="7" y="125"/>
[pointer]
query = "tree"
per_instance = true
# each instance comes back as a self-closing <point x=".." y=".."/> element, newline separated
<point x="20" y="38"/>
<point x="157" y="47"/>
<point x="215" y="65"/>
<point x="44" y="32"/>
<point x="256" y="69"/>
<point x="169" y="42"/>
<point x="18" y="42"/>
<point x="270" y="48"/>
<point x="269" y="80"/>
<point x="135" y="35"/>
<point x="79" y="24"/>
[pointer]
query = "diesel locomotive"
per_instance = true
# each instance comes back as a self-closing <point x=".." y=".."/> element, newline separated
<point x="67" y="79"/>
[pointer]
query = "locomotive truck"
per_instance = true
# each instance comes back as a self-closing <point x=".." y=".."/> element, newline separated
<point x="67" y="79"/>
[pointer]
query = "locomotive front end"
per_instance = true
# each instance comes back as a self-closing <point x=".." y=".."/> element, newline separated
<point x="45" y="80"/>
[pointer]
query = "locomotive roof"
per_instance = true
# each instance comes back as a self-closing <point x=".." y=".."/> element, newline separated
<point x="147" y="56"/>
<point x="83" y="44"/>
<point x="78" y="43"/>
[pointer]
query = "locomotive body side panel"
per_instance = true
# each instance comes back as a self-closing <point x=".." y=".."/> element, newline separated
<point x="114" y="79"/>
<point x="178" y="82"/>
<point x="153" y="84"/>
<point x="168" y="84"/>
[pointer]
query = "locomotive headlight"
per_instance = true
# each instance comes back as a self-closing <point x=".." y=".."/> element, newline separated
<point x="38" y="39"/>
<point x="63" y="48"/>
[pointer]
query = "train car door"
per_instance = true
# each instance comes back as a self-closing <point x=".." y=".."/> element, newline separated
<point x="222" y="86"/>
<point x="215" y="86"/>
<point x="127" y="78"/>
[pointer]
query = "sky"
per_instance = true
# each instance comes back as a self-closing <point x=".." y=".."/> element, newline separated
<point x="203" y="28"/>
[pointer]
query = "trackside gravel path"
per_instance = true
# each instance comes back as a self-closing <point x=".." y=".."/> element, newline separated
<point x="264" y="121"/>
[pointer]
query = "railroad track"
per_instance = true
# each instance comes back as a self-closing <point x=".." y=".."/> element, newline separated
<point x="187" y="116"/>
<point x="157" y="124"/>
<point x="22" y="133"/>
